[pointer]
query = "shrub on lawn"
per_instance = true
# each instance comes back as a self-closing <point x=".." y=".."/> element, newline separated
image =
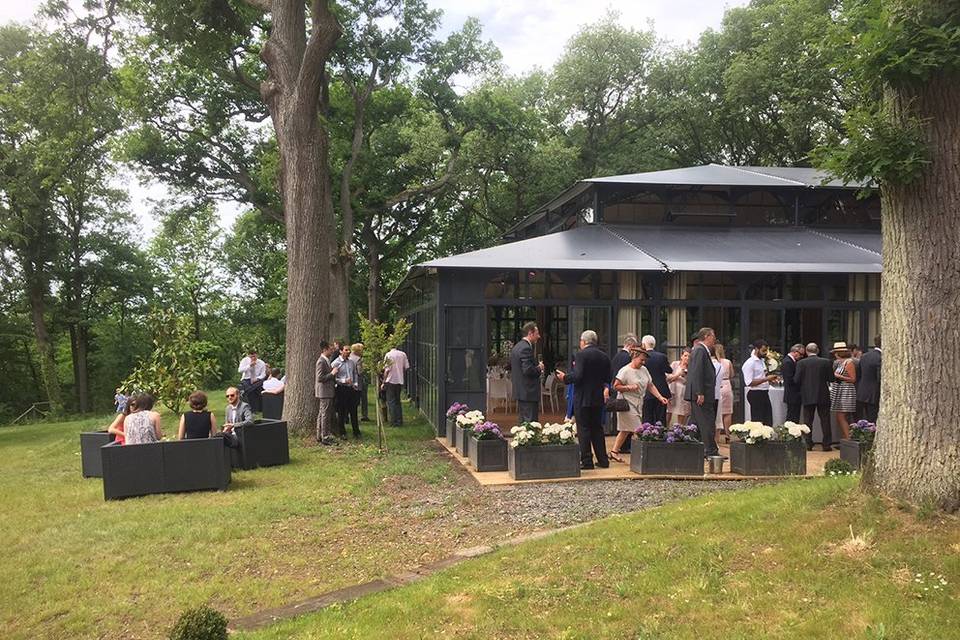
<point x="838" y="467"/>
<point x="202" y="623"/>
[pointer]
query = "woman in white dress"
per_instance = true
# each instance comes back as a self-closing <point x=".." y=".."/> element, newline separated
<point x="678" y="407"/>
<point x="725" y="408"/>
<point x="632" y="382"/>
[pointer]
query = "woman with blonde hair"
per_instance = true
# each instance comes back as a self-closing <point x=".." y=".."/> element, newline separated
<point x="678" y="407"/>
<point x="725" y="407"/>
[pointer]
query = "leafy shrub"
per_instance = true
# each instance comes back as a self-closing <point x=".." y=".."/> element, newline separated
<point x="202" y="623"/>
<point x="838" y="467"/>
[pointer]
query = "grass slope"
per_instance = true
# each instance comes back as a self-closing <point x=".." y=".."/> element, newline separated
<point x="769" y="562"/>
<point x="73" y="565"/>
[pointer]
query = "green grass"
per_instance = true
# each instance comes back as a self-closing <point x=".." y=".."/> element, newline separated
<point x="769" y="562"/>
<point x="74" y="565"/>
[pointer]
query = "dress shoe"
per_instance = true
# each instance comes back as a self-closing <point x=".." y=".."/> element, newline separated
<point x="603" y="466"/>
<point x="586" y="467"/>
<point x="827" y="447"/>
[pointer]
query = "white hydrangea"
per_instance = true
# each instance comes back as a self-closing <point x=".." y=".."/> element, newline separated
<point x="796" y="430"/>
<point x="470" y="418"/>
<point x="753" y="432"/>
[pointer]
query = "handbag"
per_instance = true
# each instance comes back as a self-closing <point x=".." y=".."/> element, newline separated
<point x="617" y="404"/>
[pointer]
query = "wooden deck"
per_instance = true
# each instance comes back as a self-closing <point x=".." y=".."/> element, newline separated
<point x="621" y="470"/>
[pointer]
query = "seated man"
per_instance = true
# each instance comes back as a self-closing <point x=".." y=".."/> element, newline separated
<point x="274" y="384"/>
<point x="253" y="372"/>
<point x="238" y="414"/>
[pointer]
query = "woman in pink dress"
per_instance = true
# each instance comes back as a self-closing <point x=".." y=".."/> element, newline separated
<point x="725" y="409"/>
<point x="678" y="407"/>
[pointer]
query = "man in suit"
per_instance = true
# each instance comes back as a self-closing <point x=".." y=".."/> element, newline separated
<point x="236" y="414"/>
<point x="525" y="374"/>
<point x="868" y="387"/>
<point x="325" y="390"/>
<point x="700" y="390"/>
<point x="620" y="359"/>
<point x="659" y="368"/>
<point x="791" y="390"/>
<point x="589" y="376"/>
<point x="813" y="375"/>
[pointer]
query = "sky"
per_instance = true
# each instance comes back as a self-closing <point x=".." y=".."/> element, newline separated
<point x="529" y="33"/>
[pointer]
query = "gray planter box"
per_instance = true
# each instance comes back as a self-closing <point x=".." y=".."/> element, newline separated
<point x="854" y="452"/>
<point x="90" y="443"/>
<point x="769" y="458"/>
<point x="488" y="455"/>
<point x="463" y="438"/>
<point x="265" y="444"/>
<point x="544" y="462"/>
<point x="452" y="432"/>
<point x="442" y="427"/>
<point x="663" y="458"/>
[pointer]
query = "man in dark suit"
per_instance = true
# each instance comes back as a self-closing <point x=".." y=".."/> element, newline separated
<point x="700" y="389"/>
<point x="791" y="390"/>
<point x="868" y="383"/>
<point x="525" y="374"/>
<point x="589" y="376"/>
<point x="659" y="368"/>
<point x="813" y="374"/>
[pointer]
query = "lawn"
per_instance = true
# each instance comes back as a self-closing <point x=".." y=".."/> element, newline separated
<point x="76" y="566"/>
<point x="776" y="561"/>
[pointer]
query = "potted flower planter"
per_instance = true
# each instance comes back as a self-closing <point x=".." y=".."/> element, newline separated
<point x="451" y="432"/>
<point x="463" y="440"/>
<point x="544" y="462"/>
<point x="773" y="458"/>
<point x="489" y="454"/>
<point x="855" y="452"/>
<point x="667" y="458"/>
<point x="443" y="427"/>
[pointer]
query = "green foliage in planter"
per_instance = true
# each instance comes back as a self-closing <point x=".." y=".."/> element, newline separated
<point x="838" y="467"/>
<point x="202" y="623"/>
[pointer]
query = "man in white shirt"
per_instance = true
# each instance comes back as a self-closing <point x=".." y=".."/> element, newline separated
<point x="757" y="382"/>
<point x="393" y="377"/>
<point x="345" y="392"/>
<point x="253" y="372"/>
<point x="273" y="384"/>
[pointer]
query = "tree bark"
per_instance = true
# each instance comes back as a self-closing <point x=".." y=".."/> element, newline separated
<point x="917" y="450"/>
<point x="373" y="281"/>
<point x="48" y="365"/>
<point x="293" y="93"/>
<point x="81" y="378"/>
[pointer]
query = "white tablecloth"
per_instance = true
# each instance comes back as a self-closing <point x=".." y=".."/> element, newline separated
<point x="780" y="415"/>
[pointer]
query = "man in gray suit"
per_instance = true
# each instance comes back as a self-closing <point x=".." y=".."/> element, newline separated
<point x="868" y="383"/>
<point x="701" y="383"/>
<point x="236" y="414"/>
<point x="813" y="376"/>
<point x="325" y="390"/>
<point x="525" y="374"/>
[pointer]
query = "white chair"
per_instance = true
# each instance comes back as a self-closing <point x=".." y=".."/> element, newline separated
<point x="548" y="390"/>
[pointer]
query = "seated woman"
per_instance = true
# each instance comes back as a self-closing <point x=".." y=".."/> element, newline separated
<point x="142" y="426"/>
<point x="116" y="427"/>
<point x="273" y="384"/>
<point x="198" y="422"/>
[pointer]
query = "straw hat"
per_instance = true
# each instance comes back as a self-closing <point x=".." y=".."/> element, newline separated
<point x="839" y="346"/>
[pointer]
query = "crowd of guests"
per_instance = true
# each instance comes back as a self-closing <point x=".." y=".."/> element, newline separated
<point x="697" y="388"/>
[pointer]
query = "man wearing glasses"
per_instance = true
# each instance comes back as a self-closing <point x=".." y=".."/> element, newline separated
<point x="238" y="414"/>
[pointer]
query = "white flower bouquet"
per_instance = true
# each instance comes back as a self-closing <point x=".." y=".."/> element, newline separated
<point x="470" y="419"/>
<point x="753" y="432"/>
<point x="790" y="431"/>
<point x="535" y="433"/>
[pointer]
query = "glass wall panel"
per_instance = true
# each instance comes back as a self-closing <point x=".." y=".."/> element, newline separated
<point x="635" y="320"/>
<point x="725" y="321"/>
<point x="633" y="286"/>
<point x="595" y="318"/>
<point x="873" y="327"/>
<point x="836" y="328"/>
<point x="677" y="324"/>
<point x="801" y="286"/>
<point x="502" y="285"/>
<point x="768" y="325"/>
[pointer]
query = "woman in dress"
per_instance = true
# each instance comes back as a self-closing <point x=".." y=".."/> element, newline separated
<point x="632" y="382"/>
<point x="198" y="422"/>
<point x="678" y="407"/>
<point x="843" y="391"/>
<point x="143" y="423"/>
<point x="725" y="409"/>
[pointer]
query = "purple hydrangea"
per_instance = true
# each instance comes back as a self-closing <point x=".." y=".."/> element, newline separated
<point x="658" y="433"/>
<point x="457" y="409"/>
<point x="863" y="431"/>
<point x="487" y="431"/>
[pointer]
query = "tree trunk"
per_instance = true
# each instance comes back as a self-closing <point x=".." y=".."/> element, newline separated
<point x="373" y="282"/>
<point x="917" y="451"/>
<point x="48" y="365"/>
<point x="78" y="351"/>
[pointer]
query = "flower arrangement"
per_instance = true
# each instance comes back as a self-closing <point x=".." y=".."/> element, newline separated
<point x="658" y="433"/>
<point x="470" y="419"/>
<point x="863" y="431"/>
<point x="457" y="409"/>
<point x="773" y="361"/>
<point x="790" y="431"/>
<point x="487" y="431"/>
<point x="535" y="433"/>
<point x="753" y="432"/>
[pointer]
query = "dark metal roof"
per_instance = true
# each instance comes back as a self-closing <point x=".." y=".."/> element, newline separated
<point x="684" y="248"/>
<point x="587" y="247"/>
<point x="773" y="249"/>
<point x="719" y="175"/>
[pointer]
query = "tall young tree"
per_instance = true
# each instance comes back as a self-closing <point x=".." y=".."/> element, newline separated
<point x="908" y="52"/>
